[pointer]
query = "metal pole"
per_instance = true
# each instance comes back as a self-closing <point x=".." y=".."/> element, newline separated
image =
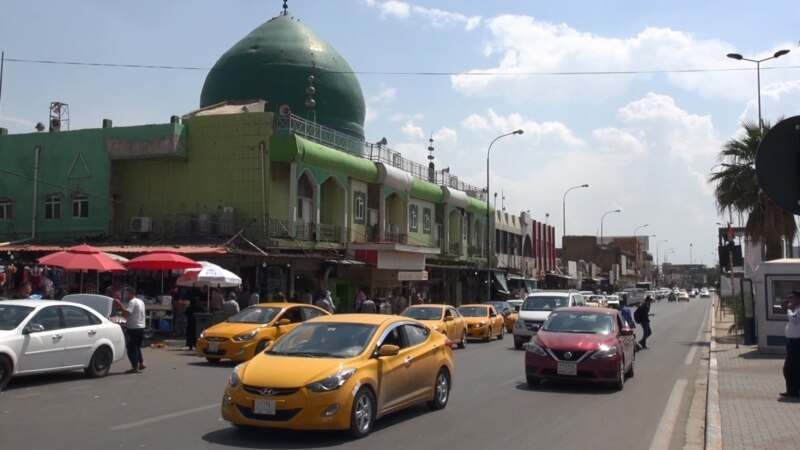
<point x="760" y="122"/>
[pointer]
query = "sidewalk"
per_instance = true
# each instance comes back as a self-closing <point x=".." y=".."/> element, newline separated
<point x="753" y="415"/>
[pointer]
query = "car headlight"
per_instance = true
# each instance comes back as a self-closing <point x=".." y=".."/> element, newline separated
<point x="234" y="381"/>
<point x="535" y="348"/>
<point x="333" y="382"/>
<point x="481" y="324"/>
<point x="246" y="336"/>
<point x="202" y="334"/>
<point x="605" y="351"/>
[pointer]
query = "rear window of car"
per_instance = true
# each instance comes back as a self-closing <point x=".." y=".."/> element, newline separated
<point x="255" y="314"/>
<point x="473" y="311"/>
<point x="579" y="322"/>
<point x="544" y="302"/>
<point x="423" y="313"/>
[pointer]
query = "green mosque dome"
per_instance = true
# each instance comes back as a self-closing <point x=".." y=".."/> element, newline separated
<point x="274" y="62"/>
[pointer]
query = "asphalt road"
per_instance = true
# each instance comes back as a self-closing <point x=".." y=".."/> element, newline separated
<point x="174" y="404"/>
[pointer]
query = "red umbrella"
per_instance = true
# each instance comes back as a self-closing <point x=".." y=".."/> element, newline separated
<point x="162" y="259"/>
<point x="82" y="257"/>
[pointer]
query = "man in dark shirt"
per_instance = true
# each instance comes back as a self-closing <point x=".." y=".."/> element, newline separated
<point x="642" y="315"/>
<point x="24" y="290"/>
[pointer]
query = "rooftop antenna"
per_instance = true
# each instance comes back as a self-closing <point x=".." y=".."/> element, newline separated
<point x="285" y="8"/>
<point x="431" y="165"/>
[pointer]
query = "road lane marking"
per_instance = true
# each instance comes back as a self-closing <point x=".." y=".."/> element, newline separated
<point x="700" y="332"/>
<point x="185" y="412"/>
<point x="666" y="425"/>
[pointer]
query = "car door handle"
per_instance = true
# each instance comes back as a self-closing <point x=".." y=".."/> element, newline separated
<point x="92" y="332"/>
<point x="408" y="360"/>
<point x="57" y="337"/>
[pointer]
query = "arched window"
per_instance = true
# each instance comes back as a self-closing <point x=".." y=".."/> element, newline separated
<point x="52" y="206"/>
<point x="6" y="208"/>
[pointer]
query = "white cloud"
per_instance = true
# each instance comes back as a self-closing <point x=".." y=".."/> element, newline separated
<point x="412" y="130"/>
<point x="376" y="103"/>
<point x="435" y="17"/>
<point x="445" y="136"/>
<point x="552" y="132"/>
<point x="403" y="117"/>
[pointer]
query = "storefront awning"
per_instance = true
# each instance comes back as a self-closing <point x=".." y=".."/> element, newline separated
<point x="500" y="278"/>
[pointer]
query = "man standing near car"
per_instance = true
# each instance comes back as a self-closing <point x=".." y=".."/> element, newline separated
<point x="642" y="317"/>
<point x="791" y="366"/>
<point x="133" y="310"/>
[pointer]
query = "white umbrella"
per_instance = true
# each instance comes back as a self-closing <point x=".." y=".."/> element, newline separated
<point x="210" y="275"/>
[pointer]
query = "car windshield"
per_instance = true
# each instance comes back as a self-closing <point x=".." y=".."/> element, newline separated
<point x="324" y="340"/>
<point x="255" y="314"/>
<point x="579" y="322"/>
<point x="423" y="313"/>
<point x="499" y="306"/>
<point x="544" y="303"/>
<point x="473" y="311"/>
<point x="12" y="315"/>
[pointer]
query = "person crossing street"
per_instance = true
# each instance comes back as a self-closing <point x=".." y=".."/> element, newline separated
<point x="642" y="317"/>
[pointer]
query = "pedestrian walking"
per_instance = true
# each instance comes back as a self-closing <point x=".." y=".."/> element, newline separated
<point x="191" y="324"/>
<point x="133" y="310"/>
<point x="369" y="307"/>
<point x="791" y="366"/>
<point x="360" y="298"/>
<point x="627" y="315"/>
<point x="642" y="317"/>
<point x="400" y="303"/>
<point x="325" y="302"/>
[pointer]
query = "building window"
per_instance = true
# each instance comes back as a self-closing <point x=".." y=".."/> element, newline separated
<point x="80" y="207"/>
<point x="6" y="209"/>
<point x="426" y="220"/>
<point x="52" y="206"/>
<point x="359" y="207"/>
<point x="413" y="215"/>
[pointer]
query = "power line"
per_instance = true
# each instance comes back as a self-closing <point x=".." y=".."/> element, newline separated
<point x="404" y="73"/>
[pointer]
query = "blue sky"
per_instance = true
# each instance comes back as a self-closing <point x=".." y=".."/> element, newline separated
<point x="645" y="140"/>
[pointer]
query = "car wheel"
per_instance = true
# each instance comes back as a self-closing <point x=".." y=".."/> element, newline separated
<point x="518" y="345"/>
<point x="100" y="363"/>
<point x="260" y="347"/>
<point x="488" y="335"/>
<point x="532" y="381"/>
<point x="502" y="333"/>
<point x="620" y="383"/>
<point x="5" y="372"/>
<point x="362" y="414"/>
<point x="213" y="360"/>
<point x="463" y="342"/>
<point x="441" y="390"/>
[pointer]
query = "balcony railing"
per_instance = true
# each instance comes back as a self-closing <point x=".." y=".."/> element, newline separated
<point x="291" y="124"/>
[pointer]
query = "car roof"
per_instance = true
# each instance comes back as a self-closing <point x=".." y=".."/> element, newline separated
<point x="283" y="305"/>
<point x="483" y="305"/>
<point x="588" y="309"/>
<point x="370" y="319"/>
<point x="551" y="294"/>
<point x="36" y="303"/>
<point x="430" y="305"/>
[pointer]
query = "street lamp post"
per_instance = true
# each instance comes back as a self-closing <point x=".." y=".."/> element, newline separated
<point x="660" y="273"/>
<point x="564" y="211"/>
<point x="666" y="253"/>
<point x="601" y="223"/>
<point x="758" y="62"/>
<point x="690" y="253"/>
<point x="488" y="223"/>
<point x="636" y="251"/>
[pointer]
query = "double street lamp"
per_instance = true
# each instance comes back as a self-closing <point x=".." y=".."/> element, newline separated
<point x="758" y="62"/>
<point x="601" y="223"/>
<point x="488" y="223"/>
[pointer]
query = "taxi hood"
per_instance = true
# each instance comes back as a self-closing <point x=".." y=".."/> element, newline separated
<point x="290" y="371"/>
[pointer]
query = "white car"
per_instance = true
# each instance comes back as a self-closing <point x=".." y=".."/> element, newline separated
<point x="38" y="336"/>
<point x="613" y="301"/>
<point x="537" y="307"/>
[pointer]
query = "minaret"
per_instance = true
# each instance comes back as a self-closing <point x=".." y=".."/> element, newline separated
<point x="431" y="166"/>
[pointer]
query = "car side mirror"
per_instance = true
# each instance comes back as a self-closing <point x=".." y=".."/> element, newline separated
<point x="388" y="350"/>
<point x="626" y="332"/>
<point x="448" y="319"/>
<point x="535" y="328"/>
<point x="283" y="322"/>
<point x="33" y="328"/>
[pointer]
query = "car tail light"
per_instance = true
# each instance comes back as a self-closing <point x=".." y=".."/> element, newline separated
<point x="448" y="342"/>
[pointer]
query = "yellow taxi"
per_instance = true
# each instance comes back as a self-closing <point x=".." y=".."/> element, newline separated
<point x="251" y="330"/>
<point x="511" y="319"/>
<point x="442" y="318"/>
<point x="483" y="321"/>
<point x="341" y="372"/>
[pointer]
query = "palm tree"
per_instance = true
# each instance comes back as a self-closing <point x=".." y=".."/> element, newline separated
<point x="737" y="190"/>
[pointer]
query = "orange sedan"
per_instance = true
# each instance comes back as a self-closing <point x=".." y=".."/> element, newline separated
<point x="442" y="318"/>
<point x="483" y="321"/>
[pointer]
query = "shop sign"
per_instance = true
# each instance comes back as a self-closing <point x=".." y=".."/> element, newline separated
<point x="412" y="276"/>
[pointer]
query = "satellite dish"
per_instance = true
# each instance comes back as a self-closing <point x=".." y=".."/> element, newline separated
<point x="778" y="164"/>
<point x="284" y="110"/>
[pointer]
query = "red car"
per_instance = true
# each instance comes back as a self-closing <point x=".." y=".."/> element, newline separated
<point x="581" y="344"/>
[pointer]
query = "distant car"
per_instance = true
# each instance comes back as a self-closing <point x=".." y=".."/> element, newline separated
<point x="38" y="336"/>
<point x="442" y="318"/>
<point x="704" y="293"/>
<point x="341" y="372"/>
<point x="537" y="307"/>
<point x="483" y="321"/>
<point x="248" y="332"/>
<point x="512" y="318"/>
<point x="683" y="296"/>
<point x="613" y="301"/>
<point x="505" y="309"/>
<point x="582" y="344"/>
<point x="598" y="301"/>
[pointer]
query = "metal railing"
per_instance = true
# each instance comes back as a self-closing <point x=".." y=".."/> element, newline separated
<point x="374" y="152"/>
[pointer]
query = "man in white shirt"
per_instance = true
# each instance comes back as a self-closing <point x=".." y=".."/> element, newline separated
<point x="791" y="367"/>
<point x="133" y="310"/>
<point x="231" y="306"/>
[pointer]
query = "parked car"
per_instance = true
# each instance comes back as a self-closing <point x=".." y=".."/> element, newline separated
<point x="248" y="332"/>
<point x="537" y="307"/>
<point x="442" y="318"/>
<point x="38" y="336"/>
<point x="483" y="321"/>
<point x="341" y="372"/>
<point x="583" y="344"/>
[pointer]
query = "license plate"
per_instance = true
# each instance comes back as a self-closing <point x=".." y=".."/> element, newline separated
<point x="567" y="368"/>
<point x="264" y="407"/>
<point x="213" y="347"/>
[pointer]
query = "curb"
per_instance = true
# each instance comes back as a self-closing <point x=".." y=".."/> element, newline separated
<point x="713" y="417"/>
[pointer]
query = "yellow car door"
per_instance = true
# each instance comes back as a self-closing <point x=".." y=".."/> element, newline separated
<point x="394" y="372"/>
<point x="450" y="325"/>
<point x="293" y="315"/>
<point x="424" y="354"/>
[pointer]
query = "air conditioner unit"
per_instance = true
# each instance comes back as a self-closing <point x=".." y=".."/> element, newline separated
<point x="141" y="224"/>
